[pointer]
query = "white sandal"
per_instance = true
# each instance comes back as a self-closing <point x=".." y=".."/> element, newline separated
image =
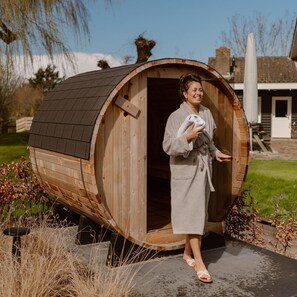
<point x="204" y="276"/>
<point x="191" y="262"/>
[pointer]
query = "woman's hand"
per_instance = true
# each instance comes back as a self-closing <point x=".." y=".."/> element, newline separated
<point x="192" y="133"/>
<point x="222" y="157"/>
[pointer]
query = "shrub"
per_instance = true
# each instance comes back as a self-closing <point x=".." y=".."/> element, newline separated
<point x="20" y="190"/>
<point x="241" y="220"/>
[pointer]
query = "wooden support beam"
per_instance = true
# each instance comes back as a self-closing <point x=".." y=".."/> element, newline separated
<point x="127" y="106"/>
<point x="256" y="137"/>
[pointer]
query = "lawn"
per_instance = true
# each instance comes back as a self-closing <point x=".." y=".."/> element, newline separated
<point x="271" y="182"/>
<point x="13" y="146"/>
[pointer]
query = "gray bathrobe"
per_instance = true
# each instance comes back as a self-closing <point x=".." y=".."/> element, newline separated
<point x="190" y="166"/>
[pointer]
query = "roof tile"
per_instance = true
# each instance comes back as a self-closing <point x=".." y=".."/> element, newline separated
<point x="67" y="131"/>
<point x="59" y="130"/>
<point x="51" y="129"/>
<point x="81" y="148"/>
<point x="61" y="145"/>
<point x="87" y="134"/>
<point x="77" y="133"/>
<point x="59" y="116"/>
<point x="70" y="146"/>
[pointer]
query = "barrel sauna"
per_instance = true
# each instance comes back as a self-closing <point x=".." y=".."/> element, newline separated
<point x="96" y="144"/>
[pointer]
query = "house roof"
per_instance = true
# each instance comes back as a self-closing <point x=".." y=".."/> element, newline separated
<point x="66" y="118"/>
<point x="270" y="69"/>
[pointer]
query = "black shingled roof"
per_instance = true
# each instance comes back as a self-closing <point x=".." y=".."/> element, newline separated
<point x="65" y="120"/>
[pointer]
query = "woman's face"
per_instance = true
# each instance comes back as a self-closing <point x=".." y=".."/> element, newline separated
<point x="194" y="94"/>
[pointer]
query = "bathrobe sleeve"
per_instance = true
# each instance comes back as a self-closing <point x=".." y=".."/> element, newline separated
<point x="173" y="145"/>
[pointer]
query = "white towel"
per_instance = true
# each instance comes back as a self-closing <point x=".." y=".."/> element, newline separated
<point x="190" y="119"/>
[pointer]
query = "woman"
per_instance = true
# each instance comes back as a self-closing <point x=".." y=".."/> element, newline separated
<point x="191" y="156"/>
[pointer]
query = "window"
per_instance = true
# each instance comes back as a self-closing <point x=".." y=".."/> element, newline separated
<point x="281" y="108"/>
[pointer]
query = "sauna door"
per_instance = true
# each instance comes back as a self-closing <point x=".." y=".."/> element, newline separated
<point x="162" y="100"/>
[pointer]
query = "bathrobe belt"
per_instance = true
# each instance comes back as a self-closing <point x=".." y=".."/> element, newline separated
<point x="203" y="158"/>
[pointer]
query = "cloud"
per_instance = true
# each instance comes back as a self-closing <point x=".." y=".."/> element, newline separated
<point x="83" y="62"/>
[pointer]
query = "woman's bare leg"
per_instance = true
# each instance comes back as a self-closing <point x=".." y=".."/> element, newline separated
<point x="195" y="243"/>
<point x="187" y="253"/>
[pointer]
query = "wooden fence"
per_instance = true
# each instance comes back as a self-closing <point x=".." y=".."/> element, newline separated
<point x="24" y="124"/>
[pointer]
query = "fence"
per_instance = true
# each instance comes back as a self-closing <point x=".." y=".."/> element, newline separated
<point x="23" y="124"/>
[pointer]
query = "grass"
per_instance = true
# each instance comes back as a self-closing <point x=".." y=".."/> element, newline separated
<point x="280" y="169"/>
<point x="13" y="146"/>
<point x="272" y="183"/>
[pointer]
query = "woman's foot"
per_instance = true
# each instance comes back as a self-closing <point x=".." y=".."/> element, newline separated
<point x="202" y="273"/>
<point x="189" y="260"/>
<point x="204" y="276"/>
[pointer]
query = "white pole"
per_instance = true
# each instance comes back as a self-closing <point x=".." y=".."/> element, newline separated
<point x="251" y="137"/>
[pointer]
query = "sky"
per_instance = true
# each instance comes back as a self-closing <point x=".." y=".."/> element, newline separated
<point x="188" y="29"/>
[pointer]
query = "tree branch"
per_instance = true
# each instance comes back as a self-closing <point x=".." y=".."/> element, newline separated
<point x="6" y="35"/>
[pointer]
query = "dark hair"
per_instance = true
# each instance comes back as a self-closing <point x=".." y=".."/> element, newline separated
<point x="184" y="83"/>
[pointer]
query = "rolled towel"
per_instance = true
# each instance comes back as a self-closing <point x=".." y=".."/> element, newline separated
<point x="190" y="119"/>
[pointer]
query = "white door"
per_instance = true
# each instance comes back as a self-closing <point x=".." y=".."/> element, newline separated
<point x="281" y="117"/>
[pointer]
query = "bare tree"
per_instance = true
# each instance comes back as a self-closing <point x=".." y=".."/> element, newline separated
<point x="103" y="64"/>
<point x="27" y="25"/>
<point x="272" y="38"/>
<point x="128" y="59"/>
<point x="144" y="47"/>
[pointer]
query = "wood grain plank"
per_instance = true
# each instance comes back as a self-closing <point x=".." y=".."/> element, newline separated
<point x="127" y="106"/>
<point x="117" y="160"/>
<point x="125" y="168"/>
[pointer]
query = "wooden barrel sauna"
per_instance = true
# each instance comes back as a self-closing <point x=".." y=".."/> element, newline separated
<point x="96" y="144"/>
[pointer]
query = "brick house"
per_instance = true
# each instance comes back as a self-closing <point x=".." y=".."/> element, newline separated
<point x="277" y="88"/>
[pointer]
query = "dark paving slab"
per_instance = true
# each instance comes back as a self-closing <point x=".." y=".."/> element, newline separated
<point x="239" y="269"/>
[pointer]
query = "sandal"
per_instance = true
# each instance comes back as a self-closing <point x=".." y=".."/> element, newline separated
<point x="204" y="276"/>
<point x="190" y="261"/>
